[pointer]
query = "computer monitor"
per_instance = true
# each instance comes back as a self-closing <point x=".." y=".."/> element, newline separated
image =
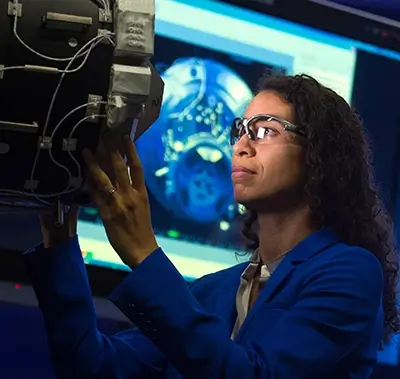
<point x="211" y="56"/>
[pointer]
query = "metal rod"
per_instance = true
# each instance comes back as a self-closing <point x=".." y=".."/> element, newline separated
<point x="60" y="214"/>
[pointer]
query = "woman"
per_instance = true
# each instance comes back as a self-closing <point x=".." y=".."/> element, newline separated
<point x="317" y="298"/>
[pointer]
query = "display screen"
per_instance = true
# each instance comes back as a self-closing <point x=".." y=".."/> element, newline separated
<point x="211" y="56"/>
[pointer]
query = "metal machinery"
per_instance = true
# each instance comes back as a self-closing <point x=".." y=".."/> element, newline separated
<point x="70" y="71"/>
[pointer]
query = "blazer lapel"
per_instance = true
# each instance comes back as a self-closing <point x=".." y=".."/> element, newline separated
<point x="310" y="246"/>
<point x="226" y="305"/>
<point x="269" y="290"/>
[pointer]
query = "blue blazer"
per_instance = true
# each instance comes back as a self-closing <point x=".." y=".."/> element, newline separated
<point x="319" y="316"/>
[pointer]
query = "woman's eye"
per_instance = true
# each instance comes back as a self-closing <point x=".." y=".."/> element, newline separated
<point x="263" y="132"/>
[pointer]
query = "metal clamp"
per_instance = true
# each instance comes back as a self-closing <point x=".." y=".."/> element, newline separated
<point x="69" y="144"/>
<point x="105" y="17"/>
<point x="104" y="33"/>
<point x="31" y="185"/>
<point x="94" y="107"/>
<point x="14" y="9"/>
<point x="45" y="143"/>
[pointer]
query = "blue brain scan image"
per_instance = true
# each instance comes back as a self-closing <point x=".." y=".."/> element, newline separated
<point x="186" y="154"/>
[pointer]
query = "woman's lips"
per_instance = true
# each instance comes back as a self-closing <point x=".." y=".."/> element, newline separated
<point x="241" y="171"/>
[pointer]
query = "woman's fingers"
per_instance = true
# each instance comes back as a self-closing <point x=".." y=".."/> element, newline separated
<point x="119" y="167"/>
<point x="99" y="181"/>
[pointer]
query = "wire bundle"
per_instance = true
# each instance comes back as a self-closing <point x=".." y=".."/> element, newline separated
<point x="84" y="52"/>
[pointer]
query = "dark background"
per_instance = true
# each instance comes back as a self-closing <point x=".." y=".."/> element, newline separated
<point x="384" y="8"/>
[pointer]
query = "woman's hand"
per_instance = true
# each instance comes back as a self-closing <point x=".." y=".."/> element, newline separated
<point x="123" y="207"/>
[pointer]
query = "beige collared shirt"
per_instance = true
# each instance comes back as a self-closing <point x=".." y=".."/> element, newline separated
<point x="246" y="283"/>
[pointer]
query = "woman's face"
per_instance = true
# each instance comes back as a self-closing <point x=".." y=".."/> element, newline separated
<point x="269" y="172"/>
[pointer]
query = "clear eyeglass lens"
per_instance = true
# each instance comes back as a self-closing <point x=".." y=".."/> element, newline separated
<point x="256" y="129"/>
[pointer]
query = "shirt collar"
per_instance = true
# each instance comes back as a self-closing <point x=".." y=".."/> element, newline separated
<point x="266" y="270"/>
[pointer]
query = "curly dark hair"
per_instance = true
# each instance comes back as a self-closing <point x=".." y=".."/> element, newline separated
<point x="340" y="180"/>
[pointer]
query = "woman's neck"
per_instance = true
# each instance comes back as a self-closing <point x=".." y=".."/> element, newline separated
<point x="282" y="231"/>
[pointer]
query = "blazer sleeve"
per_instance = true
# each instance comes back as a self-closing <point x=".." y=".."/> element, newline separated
<point x="336" y="307"/>
<point x="79" y="350"/>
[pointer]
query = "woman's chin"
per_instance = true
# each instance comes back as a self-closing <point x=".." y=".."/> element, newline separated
<point x="243" y="198"/>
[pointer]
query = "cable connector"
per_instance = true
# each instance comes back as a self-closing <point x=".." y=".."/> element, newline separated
<point x="45" y="143"/>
